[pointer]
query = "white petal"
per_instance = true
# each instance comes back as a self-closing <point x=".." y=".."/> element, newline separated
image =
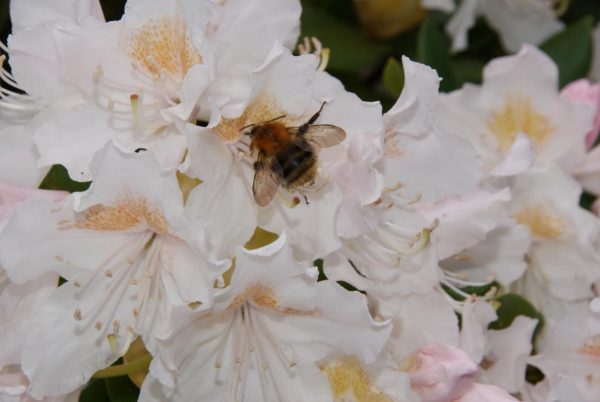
<point x="30" y="13"/>
<point x="510" y="349"/>
<point x="476" y="316"/>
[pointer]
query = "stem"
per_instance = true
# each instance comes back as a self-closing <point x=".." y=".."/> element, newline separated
<point x="139" y="364"/>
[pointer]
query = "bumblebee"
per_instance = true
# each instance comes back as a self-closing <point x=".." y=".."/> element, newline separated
<point x="287" y="156"/>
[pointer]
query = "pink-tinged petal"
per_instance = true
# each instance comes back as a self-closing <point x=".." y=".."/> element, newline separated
<point x="441" y="373"/>
<point x="11" y="195"/>
<point x="19" y="303"/>
<point x="583" y="91"/>
<point x="487" y="393"/>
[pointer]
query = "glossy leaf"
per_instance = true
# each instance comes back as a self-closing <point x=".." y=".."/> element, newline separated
<point x="58" y="179"/>
<point x="433" y="49"/>
<point x="571" y="50"/>
<point x="393" y="77"/>
<point x="513" y="305"/>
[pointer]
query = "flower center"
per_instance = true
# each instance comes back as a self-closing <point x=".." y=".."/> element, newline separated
<point x="261" y="109"/>
<point x="518" y="115"/>
<point x="127" y="213"/>
<point x="161" y="46"/>
<point x="541" y="222"/>
<point x="591" y="347"/>
<point x="347" y="377"/>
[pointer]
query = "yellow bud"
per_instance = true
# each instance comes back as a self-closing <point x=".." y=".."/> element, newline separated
<point x="386" y="18"/>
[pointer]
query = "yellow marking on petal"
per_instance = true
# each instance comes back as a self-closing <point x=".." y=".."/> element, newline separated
<point x="347" y="377"/>
<point x="519" y="115"/>
<point x="112" y="342"/>
<point x="261" y="109"/>
<point x="163" y="45"/>
<point x="541" y="222"/>
<point x="127" y="213"/>
<point x="260" y="294"/>
<point x="591" y="347"/>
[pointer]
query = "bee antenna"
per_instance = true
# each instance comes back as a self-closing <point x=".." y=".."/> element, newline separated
<point x="276" y="118"/>
<point x="245" y="127"/>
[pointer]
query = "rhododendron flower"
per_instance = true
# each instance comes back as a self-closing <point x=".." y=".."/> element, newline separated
<point x="128" y="256"/>
<point x="516" y="119"/>
<point x="289" y="87"/>
<point x="440" y="373"/>
<point x="146" y="74"/>
<point x="265" y="335"/>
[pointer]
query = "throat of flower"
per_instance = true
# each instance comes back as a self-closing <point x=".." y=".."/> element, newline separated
<point x="252" y="341"/>
<point x="348" y="379"/>
<point x="541" y="222"/>
<point x="518" y="115"/>
<point x="162" y="47"/>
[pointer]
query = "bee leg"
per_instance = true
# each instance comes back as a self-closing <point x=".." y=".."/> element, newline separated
<point x="304" y="128"/>
<point x="305" y="199"/>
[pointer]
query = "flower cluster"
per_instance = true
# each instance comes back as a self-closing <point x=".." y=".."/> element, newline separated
<point x="268" y="235"/>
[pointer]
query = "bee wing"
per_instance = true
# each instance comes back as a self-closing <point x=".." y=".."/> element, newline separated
<point x="267" y="175"/>
<point x="322" y="135"/>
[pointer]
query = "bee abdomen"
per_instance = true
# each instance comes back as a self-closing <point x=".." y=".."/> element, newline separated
<point x="298" y="167"/>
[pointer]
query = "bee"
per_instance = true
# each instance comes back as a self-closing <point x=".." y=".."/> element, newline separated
<point x="287" y="156"/>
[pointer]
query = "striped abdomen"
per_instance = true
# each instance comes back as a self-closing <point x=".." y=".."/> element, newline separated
<point x="298" y="165"/>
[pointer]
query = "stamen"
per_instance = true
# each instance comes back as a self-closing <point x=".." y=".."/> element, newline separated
<point x="114" y="346"/>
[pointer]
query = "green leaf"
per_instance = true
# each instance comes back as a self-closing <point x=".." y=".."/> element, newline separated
<point x="393" y="77"/>
<point x="433" y="49"/>
<point x="571" y="50"/>
<point x="350" y="48"/>
<point x="95" y="391"/>
<point x="121" y="389"/>
<point x="511" y="306"/>
<point x="58" y="179"/>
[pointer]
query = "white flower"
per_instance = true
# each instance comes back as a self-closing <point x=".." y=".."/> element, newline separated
<point x="421" y="162"/>
<point x="516" y="21"/>
<point x="570" y="358"/>
<point x="476" y="239"/>
<point x="265" y="336"/>
<point x="289" y="87"/>
<point x="145" y="75"/>
<point x="562" y="260"/>
<point x="36" y="23"/>
<point x="129" y="257"/>
<point x="516" y="119"/>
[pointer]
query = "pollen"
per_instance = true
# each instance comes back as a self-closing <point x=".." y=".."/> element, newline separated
<point x="261" y="109"/>
<point x="541" y="222"/>
<point x="350" y="381"/>
<point x="518" y="115"/>
<point x="261" y="294"/>
<point x="163" y="45"/>
<point x="127" y="213"/>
